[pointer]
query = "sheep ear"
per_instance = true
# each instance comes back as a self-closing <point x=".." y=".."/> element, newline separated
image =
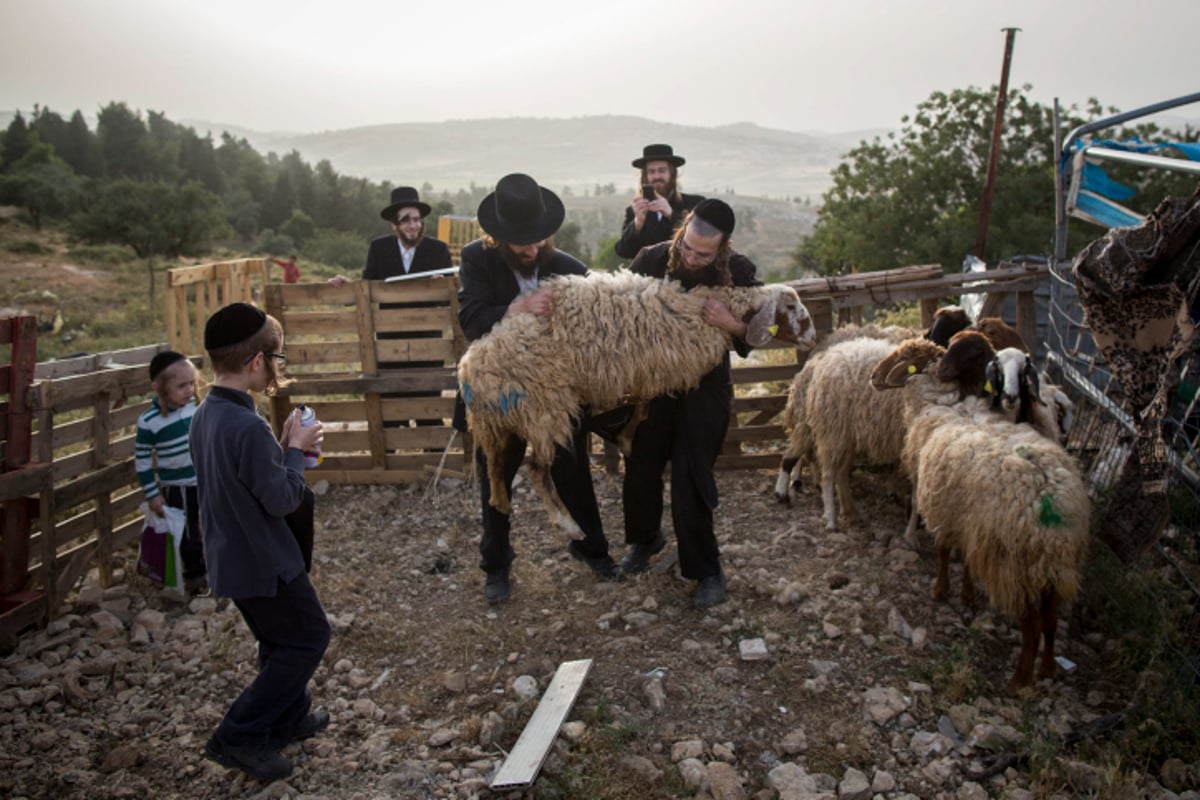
<point x="992" y="383"/>
<point x="1035" y="383"/>
<point x="898" y="375"/>
<point x="758" y="329"/>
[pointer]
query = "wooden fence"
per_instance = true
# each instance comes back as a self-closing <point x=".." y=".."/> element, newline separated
<point x="68" y="488"/>
<point x="345" y="347"/>
<point x="193" y="293"/>
<point x="456" y="231"/>
<point x="84" y="413"/>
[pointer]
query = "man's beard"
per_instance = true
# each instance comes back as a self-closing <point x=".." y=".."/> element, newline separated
<point x="526" y="270"/>
<point x="410" y="242"/>
<point x="667" y="189"/>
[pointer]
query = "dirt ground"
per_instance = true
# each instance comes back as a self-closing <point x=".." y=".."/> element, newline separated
<point x="863" y="671"/>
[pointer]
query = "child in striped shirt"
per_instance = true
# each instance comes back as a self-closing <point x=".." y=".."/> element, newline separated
<point x="162" y="437"/>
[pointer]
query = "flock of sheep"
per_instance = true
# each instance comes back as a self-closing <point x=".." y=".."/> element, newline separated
<point x="959" y="409"/>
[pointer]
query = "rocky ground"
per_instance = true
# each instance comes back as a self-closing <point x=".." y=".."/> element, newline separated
<point x="863" y="686"/>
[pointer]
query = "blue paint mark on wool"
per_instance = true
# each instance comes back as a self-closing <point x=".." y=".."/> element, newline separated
<point x="466" y="393"/>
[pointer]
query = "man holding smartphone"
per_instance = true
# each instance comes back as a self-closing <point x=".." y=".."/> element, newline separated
<point x="658" y="206"/>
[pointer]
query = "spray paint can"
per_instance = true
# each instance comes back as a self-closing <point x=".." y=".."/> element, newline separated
<point x="308" y="418"/>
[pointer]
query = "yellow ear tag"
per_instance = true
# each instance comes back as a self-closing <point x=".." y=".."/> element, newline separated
<point x="912" y="369"/>
<point x="773" y="329"/>
<point x="987" y="387"/>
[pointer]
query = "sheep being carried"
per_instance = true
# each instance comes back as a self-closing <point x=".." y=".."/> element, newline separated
<point x="612" y="339"/>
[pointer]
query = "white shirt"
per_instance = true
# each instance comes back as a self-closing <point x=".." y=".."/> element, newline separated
<point x="406" y="255"/>
<point x="526" y="284"/>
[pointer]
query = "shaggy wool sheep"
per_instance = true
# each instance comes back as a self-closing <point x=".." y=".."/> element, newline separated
<point x="845" y="423"/>
<point x="1011" y="499"/>
<point x="1022" y="396"/>
<point x="800" y="440"/>
<point x="1000" y="333"/>
<point x="612" y="338"/>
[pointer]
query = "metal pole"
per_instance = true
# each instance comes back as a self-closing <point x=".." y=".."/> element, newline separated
<point x="989" y="186"/>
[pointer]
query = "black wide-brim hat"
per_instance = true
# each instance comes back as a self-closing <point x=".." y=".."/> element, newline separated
<point x="520" y="211"/>
<point x="658" y="152"/>
<point x="405" y="197"/>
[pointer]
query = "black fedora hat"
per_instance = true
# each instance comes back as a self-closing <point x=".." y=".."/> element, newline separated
<point x="658" y="152"/>
<point x="404" y="197"/>
<point x="520" y="211"/>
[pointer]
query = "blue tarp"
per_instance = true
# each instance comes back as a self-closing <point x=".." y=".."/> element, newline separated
<point x="1097" y="197"/>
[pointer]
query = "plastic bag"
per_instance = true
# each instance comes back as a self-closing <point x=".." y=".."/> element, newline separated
<point x="158" y="552"/>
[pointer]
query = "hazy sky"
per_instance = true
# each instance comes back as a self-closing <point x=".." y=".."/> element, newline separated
<point x="834" y="65"/>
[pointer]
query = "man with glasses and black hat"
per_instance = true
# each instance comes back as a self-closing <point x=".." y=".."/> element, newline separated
<point x="687" y="430"/>
<point x="408" y="252"/>
<point x="659" y="206"/>
<point x="499" y="276"/>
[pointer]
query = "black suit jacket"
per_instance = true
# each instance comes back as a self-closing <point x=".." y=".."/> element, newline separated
<point x="654" y="230"/>
<point x="487" y="285"/>
<point x="383" y="257"/>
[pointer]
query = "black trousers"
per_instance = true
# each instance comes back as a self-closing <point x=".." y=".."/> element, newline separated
<point x="572" y="476"/>
<point x="686" y="432"/>
<point x="191" y="549"/>
<point x="292" y="633"/>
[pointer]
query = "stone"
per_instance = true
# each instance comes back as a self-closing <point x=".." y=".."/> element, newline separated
<point x="695" y="776"/>
<point x="753" y="650"/>
<point x="794" y="741"/>
<point x="525" y="687"/>
<point x="640" y="766"/>
<point x="881" y="704"/>
<point x="724" y="781"/>
<point x="854" y="785"/>
<point x="689" y="748"/>
<point x="791" y="779"/>
<point x="491" y="729"/>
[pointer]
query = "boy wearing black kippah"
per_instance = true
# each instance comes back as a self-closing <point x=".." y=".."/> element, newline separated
<point x="248" y="483"/>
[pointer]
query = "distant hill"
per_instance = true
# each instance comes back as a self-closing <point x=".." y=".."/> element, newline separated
<point x="579" y="152"/>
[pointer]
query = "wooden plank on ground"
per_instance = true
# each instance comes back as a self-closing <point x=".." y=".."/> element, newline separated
<point x="528" y="754"/>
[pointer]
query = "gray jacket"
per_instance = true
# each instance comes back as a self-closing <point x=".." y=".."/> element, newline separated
<point x="247" y="484"/>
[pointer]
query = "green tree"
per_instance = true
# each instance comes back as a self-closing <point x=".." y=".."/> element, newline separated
<point x="915" y="197"/>
<point x="154" y="218"/>
<point x="606" y="258"/>
<point x="80" y="148"/>
<point x="125" y="144"/>
<point x="44" y="188"/>
<point x="14" y="143"/>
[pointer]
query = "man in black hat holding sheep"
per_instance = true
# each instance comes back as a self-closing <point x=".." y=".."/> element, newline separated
<point x="687" y="430"/>
<point x="659" y="206"/>
<point x="499" y="276"/>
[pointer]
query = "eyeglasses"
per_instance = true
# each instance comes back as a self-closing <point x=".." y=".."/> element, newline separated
<point x="700" y="255"/>
<point x="407" y="221"/>
<point x="280" y="357"/>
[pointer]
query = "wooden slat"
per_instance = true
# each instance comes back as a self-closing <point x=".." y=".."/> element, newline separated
<point x="414" y="350"/>
<point x="304" y="355"/>
<point x="320" y="323"/>
<point x="527" y="755"/>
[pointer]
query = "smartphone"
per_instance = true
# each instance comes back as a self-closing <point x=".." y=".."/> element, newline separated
<point x="647" y="191"/>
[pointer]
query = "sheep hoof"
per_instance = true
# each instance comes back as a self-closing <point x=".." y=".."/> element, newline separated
<point x="939" y="592"/>
<point x="784" y="499"/>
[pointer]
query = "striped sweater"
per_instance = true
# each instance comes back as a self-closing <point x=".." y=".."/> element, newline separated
<point x="164" y="436"/>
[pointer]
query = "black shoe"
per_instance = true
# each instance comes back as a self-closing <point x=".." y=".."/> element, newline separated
<point x="603" y="565"/>
<point x="261" y="763"/>
<point x="311" y="725"/>
<point x="497" y="588"/>
<point x="638" y="558"/>
<point x="710" y="591"/>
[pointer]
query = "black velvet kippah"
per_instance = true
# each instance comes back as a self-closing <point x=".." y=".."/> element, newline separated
<point x="233" y="324"/>
<point x="716" y="213"/>
<point x="164" y="360"/>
